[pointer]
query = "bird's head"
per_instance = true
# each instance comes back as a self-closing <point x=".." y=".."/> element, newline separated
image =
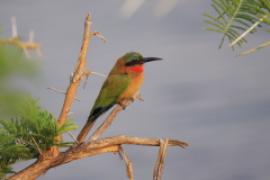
<point x="134" y="61"/>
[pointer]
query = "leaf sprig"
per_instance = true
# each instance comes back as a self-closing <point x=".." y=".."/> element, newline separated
<point x="28" y="132"/>
<point x="235" y="19"/>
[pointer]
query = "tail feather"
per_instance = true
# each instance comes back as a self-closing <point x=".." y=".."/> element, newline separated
<point x="95" y="113"/>
<point x="85" y="130"/>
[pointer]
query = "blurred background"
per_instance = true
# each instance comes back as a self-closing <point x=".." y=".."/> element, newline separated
<point x="207" y="97"/>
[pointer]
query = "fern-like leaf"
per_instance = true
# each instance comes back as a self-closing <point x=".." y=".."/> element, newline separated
<point x="237" y="18"/>
<point x="27" y="132"/>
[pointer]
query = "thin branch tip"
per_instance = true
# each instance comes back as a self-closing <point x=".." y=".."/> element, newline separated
<point x="25" y="46"/>
<point x="98" y="74"/>
<point x="89" y="15"/>
<point x="108" y="121"/>
<point x="159" y="165"/>
<point x="129" y="168"/>
<point x="100" y="36"/>
<point x="14" y="28"/>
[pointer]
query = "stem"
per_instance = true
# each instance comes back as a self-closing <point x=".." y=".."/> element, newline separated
<point x="93" y="148"/>
<point x="78" y="73"/>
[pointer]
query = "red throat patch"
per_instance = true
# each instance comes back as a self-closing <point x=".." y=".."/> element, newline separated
<point x="137" y="68"/>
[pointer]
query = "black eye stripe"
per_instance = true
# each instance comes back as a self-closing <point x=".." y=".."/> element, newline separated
<point x="134" y="62"/>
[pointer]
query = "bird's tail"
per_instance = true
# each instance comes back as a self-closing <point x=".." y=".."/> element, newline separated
<point x="95" y="113"/>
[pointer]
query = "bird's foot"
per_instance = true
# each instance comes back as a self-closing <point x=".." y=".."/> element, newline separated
<point x="123" y="106"/>
<point x="125" y="102"/>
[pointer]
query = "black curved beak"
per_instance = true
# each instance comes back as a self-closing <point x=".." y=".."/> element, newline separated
<point x="149" y="59"/>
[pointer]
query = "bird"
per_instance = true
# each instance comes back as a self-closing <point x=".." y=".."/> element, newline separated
<point x="123" y="82"/>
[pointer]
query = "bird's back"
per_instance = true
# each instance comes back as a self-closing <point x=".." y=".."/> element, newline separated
<point x="114" y="86"/>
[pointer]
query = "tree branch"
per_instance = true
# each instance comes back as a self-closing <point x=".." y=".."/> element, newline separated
<point x="78" y="73"/>
<point x="108" y="121"/>
<point x="43" y="165"/>
<point x="129" y="168"/>
<point x="93" y="148"/>
<point x="158" y="170"/>
<point x="17" y="42"/>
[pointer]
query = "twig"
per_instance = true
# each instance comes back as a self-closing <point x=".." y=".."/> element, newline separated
<point x="61" y="92"/>
<point x="98" y="74"/>
<point x="122" y="139"/>
<point x="73" y="137"/>
<point x="31" y="36"/>
<point x="158" y="170"/>
<point x="99" y="35"/>
<point x="79" y="72"/>
<point x="87" y="73"/>
<point x="93" y="148"/>
<point x="108" y="121"/>
<point x="253" y="50"/>
<point x="81" y="63"/>
<point x="17" y="42"/>
<point x="129" y="168"/>
<point x="14" y="29"/>
<point x="40" y="167"/>
<point x="37" y="146"/>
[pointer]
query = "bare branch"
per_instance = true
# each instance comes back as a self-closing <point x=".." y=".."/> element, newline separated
<point x="61" y="92"/>
<point x="37" y="146"/>
<point x="88" y="73"/>
<point x="253" y="50"/>
<point x="158" y="170"/>
<point x="31" y="36"/>
<point x="81" y="63"/>
<point x="41" y="166"/>
<point x="129" y="168"/>
<point x="99" y="35"/>
<point x="93" y="148"/>
<point x="73" y="137"/>
<point x="17" y="42"/>
<point x="104" y="126"/>
<point x="122" y="139"/>
<point x="14" y="29"/>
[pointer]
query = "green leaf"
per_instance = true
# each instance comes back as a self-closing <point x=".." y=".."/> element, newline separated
<point x="234" y="19"/>
<point x="29" y="130"/>
<point x="67" y="126"/>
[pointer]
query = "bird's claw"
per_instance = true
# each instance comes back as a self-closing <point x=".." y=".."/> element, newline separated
<point x="122" y="105"/>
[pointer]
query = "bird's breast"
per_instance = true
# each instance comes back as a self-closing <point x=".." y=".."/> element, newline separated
<point x="134" y="86"/>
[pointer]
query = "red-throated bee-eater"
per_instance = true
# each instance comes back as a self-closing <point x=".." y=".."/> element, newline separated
<point x="123" y="82"/>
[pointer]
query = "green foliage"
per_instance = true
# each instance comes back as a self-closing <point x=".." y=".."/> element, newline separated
<point x="236" y="18"/>
<point x="27" y="132"/>
<point x="13" y="62"/>
<point x="25" y="128"/>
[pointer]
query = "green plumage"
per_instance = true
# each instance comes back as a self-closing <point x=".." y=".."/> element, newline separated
<point x="112" y="88"/>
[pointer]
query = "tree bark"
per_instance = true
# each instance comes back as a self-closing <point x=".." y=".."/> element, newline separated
<point x="93" y="148"/>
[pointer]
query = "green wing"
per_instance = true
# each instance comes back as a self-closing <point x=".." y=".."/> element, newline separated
<point x="112" y="88"/>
